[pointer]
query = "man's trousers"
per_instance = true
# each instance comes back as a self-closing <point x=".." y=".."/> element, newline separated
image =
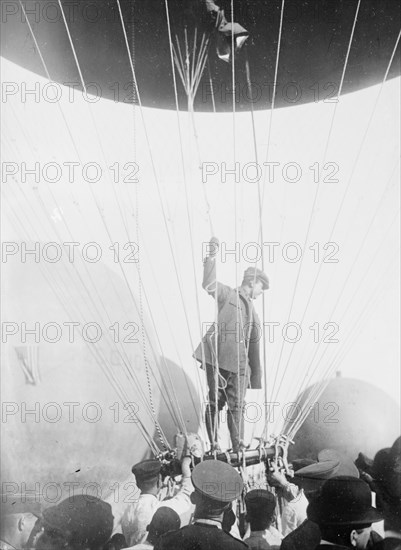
<point x="231" y="389"/>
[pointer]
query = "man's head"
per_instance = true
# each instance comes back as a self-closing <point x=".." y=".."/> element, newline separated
<point x="147" y="476"/>
<point x="16" y="528"/>
<point x="77" y="523"/>
<point x="260" y="509"/>
<point x="387" y="475"/>
<point x="344" y="512"/>
<point x="19" y="520"/>
<point x="254" y="282"/>
<point x="164" y="520"/>
<point x="216" y="485"/>
<point x="349" y="536"/>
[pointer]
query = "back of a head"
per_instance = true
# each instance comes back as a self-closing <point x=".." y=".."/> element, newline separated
<point x="260" y="508"/>
<point x="147" y="474"/>
<point x="77" y="523"/>
<point x="387" y="474"/>
<point x="165" y="519"/>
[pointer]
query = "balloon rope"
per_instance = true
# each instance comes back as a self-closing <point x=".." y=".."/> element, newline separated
<point x="240" y="336"/>
<point x="97" y="353"/>
<point x="311" y="216"/>
<point x="113" y="187"/>
<point x="160" y="196"/>
<point x="261" y="329"/>
<point x="378" y="249"/>
<point x="351" y="270"/>
<point x="370" y="305"/>
<point x="170" y="398"/>
<point x="185" y="187"/>
<point x="343" y="202"/>
<point x="339" y="210"/>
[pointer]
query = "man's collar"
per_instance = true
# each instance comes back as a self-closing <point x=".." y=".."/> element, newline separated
<point x="392" y="534"/>
<point x="258" y="533"/>
<point x="212" y="522"/>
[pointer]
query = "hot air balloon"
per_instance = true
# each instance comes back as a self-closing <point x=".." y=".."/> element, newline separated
<point x="129" y="142"/>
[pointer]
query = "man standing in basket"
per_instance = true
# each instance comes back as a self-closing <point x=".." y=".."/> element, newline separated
<point x="232" y="362"/>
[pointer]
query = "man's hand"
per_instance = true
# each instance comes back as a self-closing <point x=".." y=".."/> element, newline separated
<point x="214" y="245"/>
<point x="186" y="466"/>
<point x="277" y="478"/>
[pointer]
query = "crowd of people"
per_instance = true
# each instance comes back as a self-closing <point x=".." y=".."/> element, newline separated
<point x="328" y="503"/>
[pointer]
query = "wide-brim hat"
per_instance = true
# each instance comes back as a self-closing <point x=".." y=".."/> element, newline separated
<point x="344" y="500"/>
<point x="217" y="481"/>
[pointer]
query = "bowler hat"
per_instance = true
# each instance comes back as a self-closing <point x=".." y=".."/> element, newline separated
<point x="253" y="273"/>
<point x="82" y="519"/>
<point x="217" y="481"/>
<point x="344" y="500"/>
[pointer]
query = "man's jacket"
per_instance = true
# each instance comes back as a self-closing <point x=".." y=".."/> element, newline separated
<point x="239" y="329"/>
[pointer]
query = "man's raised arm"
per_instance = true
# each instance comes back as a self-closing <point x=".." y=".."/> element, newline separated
<point x="209" y="272"/>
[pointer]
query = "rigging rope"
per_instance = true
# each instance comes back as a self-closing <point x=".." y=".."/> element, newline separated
<point x="339" y="210"/>
<point x="341" y="206"/>
<point x="127" y="366"/>
<point x="95" y="351"/>
<point x="158" y="189"/>
<point x="311" y="216"/>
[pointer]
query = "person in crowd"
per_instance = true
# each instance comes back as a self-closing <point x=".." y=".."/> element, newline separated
<point x="230" y="355"/>
<point x="310" y="478"/>
<point x="260" y="513"/>
<point x="138" y="515"/>
<point x="19" y="520"/>
<point x="164" y="520"/>
<point x="387" y="478"/>
<point x="344" y="514"/>
<point x="80" y="522"/>
<point x="216" y="485"/>
<point x="291" y="501"/>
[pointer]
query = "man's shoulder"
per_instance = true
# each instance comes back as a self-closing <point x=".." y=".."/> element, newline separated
<point x="308" y="531"/>
<point x="217" y="537"/>
<point x="387" y="544"/>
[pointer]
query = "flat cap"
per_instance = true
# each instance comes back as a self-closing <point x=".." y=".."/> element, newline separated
<point x="82" y="519"/>
<point x="147" y="470"/>
<point x="217" y="481"/>
<point x="253" y="273"/>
